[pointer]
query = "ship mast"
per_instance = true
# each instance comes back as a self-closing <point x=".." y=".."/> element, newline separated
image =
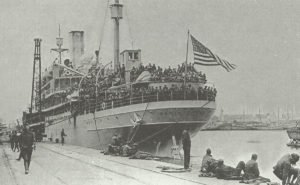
<point x="59" y="43"/>
<point x="116" y="15"/>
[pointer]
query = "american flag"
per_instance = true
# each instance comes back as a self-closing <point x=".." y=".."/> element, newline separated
<point x="203" y="56"/>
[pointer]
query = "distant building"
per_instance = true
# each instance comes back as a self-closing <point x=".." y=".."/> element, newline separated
<point x="246" y="118"/>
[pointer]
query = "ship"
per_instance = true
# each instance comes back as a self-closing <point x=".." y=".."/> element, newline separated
<point x="294" y="135"/>
<point x="141" y="104"/>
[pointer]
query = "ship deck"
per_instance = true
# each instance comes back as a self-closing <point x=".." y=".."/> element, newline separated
<point x="74" y="165"/>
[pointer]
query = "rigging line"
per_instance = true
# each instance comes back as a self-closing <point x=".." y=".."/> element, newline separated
<point x="96" y="127"/>
<point x="160" y="131"/>
<point x="103" y="25"/>
<point x="64" y="119"/>
<point x="129" y="26"/>
<point x="138" y="127"/>
<point x="155" y="133"/>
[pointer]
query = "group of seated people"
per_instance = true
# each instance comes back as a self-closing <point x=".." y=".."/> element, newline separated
<point x="169" y="74"/>
<point x="118" y="147"/>
<point x="249" y="172"/>
<point x="126" y="149"/>
<point x="213" y="167"/>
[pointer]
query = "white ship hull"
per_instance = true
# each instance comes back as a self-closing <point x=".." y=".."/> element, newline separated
<point x="159" y="121"/>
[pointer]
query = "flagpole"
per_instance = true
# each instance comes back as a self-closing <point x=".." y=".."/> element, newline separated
<point x="186" y="59"/>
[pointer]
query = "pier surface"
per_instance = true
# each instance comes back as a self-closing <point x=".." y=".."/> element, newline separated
<point x="53" y="164"/>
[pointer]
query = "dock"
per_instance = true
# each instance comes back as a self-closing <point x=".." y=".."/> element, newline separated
<point x="54" y="164"/>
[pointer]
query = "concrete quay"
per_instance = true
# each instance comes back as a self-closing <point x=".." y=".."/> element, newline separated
<point x="54" y="164"/>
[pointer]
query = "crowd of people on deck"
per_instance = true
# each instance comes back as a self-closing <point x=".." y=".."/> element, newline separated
<point x="159" y="93"/>
<point x="169" y="74"/>
<point x="150" y="94"/>
<point x="166" y="93"/>
<point x="107" y="79"/>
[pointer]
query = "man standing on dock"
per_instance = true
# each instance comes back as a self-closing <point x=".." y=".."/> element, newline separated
<point x="27" y="143"/>
<point x="19" y="141"/>
<point x="62" y="135"/>
<point x="12" y="138"/>
<point x="186" y="143"/>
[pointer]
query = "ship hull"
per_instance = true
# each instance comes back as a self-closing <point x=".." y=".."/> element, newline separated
<point x="151" y="125"/>
<point x="294" y="133"/>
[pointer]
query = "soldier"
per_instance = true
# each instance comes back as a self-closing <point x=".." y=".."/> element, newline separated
<point x="251" y="169"/>
<point x="12" y="138"/>
<point x="186" y="143"/>
<point x="17" y="141"/>
<point x="227" y="172"/>
<point x="284" y="170"/>
<point x="27" y="144"/>
<point x="206" y="161"/>
<point x="62" y="134"/>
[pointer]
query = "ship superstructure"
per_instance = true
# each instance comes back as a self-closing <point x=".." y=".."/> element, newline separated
<point x="142" y="104"/>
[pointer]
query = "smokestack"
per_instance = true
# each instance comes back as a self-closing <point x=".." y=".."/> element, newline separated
<point x="77" y="46"/>
<point x="116" y="14"/>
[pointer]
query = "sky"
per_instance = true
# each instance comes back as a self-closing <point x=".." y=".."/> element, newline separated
<point x="261" y="37"/>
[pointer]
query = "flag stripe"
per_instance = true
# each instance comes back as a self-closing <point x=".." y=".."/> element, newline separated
<point x="232" y="65"/>
<point x="205" y="64"/>
<point x="224" y="64"/>
<point x="200" y="55"/>
<point x="227" y="64"/>
<point x="204" y="59"/>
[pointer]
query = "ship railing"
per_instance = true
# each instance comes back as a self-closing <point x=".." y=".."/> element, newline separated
<point x="89" y="105"/>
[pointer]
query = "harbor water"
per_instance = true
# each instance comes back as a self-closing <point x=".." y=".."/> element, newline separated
<point x="234" y="146"/>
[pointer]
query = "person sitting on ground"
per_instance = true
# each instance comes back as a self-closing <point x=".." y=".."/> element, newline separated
<point x="114" y="140"/>
<point x="228" y="172"/>
<point x="207" y="159"/>
<point x="114" y="147"/>
<point x="251" y="175"/>
<point x="210" y="170"/>
<point x="118" y="141"/>
<point x="284" y="170"/>
<point x="251" y="169"/>
<point x="129" y="149"/>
